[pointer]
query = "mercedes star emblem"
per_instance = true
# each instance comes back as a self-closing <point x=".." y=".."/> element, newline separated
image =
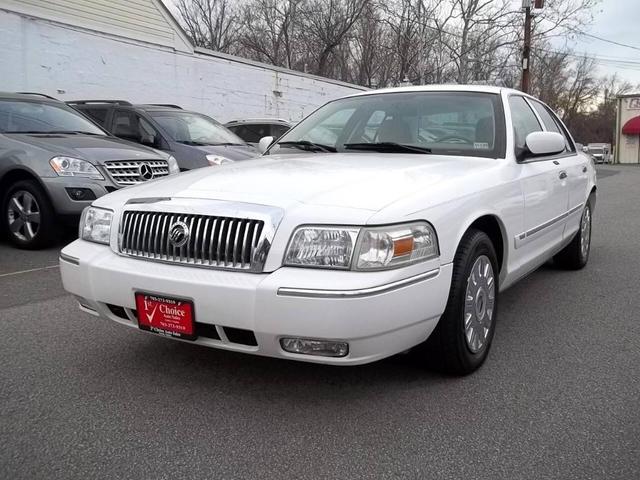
<point x="178" y="234"/>
<point x="145" y="172"/>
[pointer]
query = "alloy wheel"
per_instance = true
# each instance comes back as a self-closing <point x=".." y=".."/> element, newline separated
<point x="23" y="214"/>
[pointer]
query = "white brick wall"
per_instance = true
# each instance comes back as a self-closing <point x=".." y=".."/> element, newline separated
<point x="71" y="63"/>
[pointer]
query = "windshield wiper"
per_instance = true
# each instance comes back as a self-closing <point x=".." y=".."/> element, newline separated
<point x="308" y="146"/>
<point x="191" y="142"/>
<point x="387" y="147"/>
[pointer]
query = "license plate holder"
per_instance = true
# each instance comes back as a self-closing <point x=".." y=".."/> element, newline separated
<point x="165" y="315"/>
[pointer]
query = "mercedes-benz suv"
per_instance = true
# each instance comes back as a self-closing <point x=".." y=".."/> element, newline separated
<point x="54" y="162"/>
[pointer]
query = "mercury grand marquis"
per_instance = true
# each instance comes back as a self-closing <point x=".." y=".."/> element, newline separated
<point x="383" y="221"/>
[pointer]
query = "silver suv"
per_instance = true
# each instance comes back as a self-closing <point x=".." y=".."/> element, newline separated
<point x="54" y="162"/>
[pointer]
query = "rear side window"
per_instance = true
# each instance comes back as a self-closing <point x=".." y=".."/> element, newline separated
<point x="524" y="120"/>
<point x="98" y="115"/>
<point x="278" y="130"/>
<point x="551" y="123"/>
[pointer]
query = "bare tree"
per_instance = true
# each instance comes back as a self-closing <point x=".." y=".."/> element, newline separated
<point x="209" y="23"/>
<point x="327" y="24"/>
<point x="268" y="31"/>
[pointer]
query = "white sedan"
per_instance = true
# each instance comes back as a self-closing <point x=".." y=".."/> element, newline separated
<point x="383" y="221"/>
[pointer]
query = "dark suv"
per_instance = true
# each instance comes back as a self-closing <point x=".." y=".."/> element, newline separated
<point x="54" y="162"/>
<point x="195" y="140"/>
<point x="251" y="130"/>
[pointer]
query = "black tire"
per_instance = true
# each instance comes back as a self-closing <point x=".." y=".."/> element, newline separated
<point x="46" y="231"/>
<point x="573" y="256"/>
<point x="447" y="348"/>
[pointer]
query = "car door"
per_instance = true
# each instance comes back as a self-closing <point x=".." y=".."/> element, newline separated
<point x="574" y="163"/>
<point x="545" y="191"/>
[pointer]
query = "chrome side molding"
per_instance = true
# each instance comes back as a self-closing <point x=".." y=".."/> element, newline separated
<point x="525" y="237"/>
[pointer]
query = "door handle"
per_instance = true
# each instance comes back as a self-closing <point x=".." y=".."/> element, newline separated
<point x="562" y="175"/>
<point x="584" y="169"/>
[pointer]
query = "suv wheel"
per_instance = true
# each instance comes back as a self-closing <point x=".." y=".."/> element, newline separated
<point x="27" y="216"/>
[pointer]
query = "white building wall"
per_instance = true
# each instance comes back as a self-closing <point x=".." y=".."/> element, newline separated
<point x="72" y="63"/>
<point x="145" y="20"/>
<point x="628" y="148"/>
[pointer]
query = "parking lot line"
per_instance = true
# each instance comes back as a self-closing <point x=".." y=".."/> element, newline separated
<point x="28" y="271"/>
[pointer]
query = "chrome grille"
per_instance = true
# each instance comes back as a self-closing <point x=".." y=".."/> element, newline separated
<point x="128" y="172"/>
<point x="223" y="242"/>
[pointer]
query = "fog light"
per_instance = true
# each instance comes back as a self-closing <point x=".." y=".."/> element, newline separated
<point x="321" y="348"/>
<point x="80" y="194"/>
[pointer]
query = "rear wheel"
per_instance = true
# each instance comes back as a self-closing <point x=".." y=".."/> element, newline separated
<point x="576" y="255"/>
<point x="461" y="341"/>
<point x="28" y="216"/>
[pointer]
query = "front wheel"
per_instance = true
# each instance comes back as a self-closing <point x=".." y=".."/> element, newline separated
<point x="461" y="341"/>
<point x="28" y="216"/>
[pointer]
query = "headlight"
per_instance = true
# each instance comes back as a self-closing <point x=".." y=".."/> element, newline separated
<point x="322" y="247"/>
<point x="173" y="165"/>
<point x="388" y="247"/>
<point x="95" y="225"/>
<point x="356" y="248"/>
<point x="74" y="167"/>
<point x="218" y="160"/>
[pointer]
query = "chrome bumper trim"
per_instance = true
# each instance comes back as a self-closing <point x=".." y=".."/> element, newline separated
<point x="69" y="259"/>
<point x="357" y="293"/>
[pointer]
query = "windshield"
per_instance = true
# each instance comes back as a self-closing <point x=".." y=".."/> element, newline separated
<point x="453" y="123"/>
<point x="195" y="129"/>
<point x="34" y="117"/>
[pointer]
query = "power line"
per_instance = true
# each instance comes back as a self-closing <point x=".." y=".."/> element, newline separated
<point x="585" y="34"/>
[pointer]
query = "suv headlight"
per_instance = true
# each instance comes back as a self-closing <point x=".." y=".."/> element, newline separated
<point x="215" y="160"/>
<point x="74" y="167"/>
<point x="356" y="248"/>
<point x="95" y="225"/>
<point x="173" y="165"/>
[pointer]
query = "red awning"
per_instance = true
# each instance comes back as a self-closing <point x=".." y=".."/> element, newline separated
<point x="632" y="127"/>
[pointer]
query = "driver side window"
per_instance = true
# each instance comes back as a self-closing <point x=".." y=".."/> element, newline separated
<point x="132" y="127"/>
<point x="524" y="120"/>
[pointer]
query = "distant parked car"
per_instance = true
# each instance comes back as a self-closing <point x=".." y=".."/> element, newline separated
<point x="194" y="139"/>
<point x="601" y="152"/>
<point x="251" y="130"/>
<point x="54" y="162"/>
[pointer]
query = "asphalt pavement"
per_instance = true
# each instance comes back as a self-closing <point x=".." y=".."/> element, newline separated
<point x="559" y="397"/>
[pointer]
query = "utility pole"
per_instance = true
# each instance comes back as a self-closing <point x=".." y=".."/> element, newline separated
<point x="526" y="51"/>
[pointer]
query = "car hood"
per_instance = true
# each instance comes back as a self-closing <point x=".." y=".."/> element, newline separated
<point x="232" y="152"/>
<point x="354" y="180"/>
<point x="96" y="149"/>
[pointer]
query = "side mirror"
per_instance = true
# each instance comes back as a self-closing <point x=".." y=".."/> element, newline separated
<point x="264" y="144"/>
<point x="544" y="143"/>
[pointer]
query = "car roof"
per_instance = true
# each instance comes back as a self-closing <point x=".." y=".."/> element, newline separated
<point x="440" y="88"/>
<point x="259" y="120"/>
<point x="34" y="96"/>
<point x="147" y="107"/>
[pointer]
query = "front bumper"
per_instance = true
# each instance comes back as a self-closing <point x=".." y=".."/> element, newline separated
<point x="63" y="203"/>
<point x="378" y="314"/>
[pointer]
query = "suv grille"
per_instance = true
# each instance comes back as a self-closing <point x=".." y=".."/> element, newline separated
<point x="202" y="240"/>
<point x="131" y="172"/>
